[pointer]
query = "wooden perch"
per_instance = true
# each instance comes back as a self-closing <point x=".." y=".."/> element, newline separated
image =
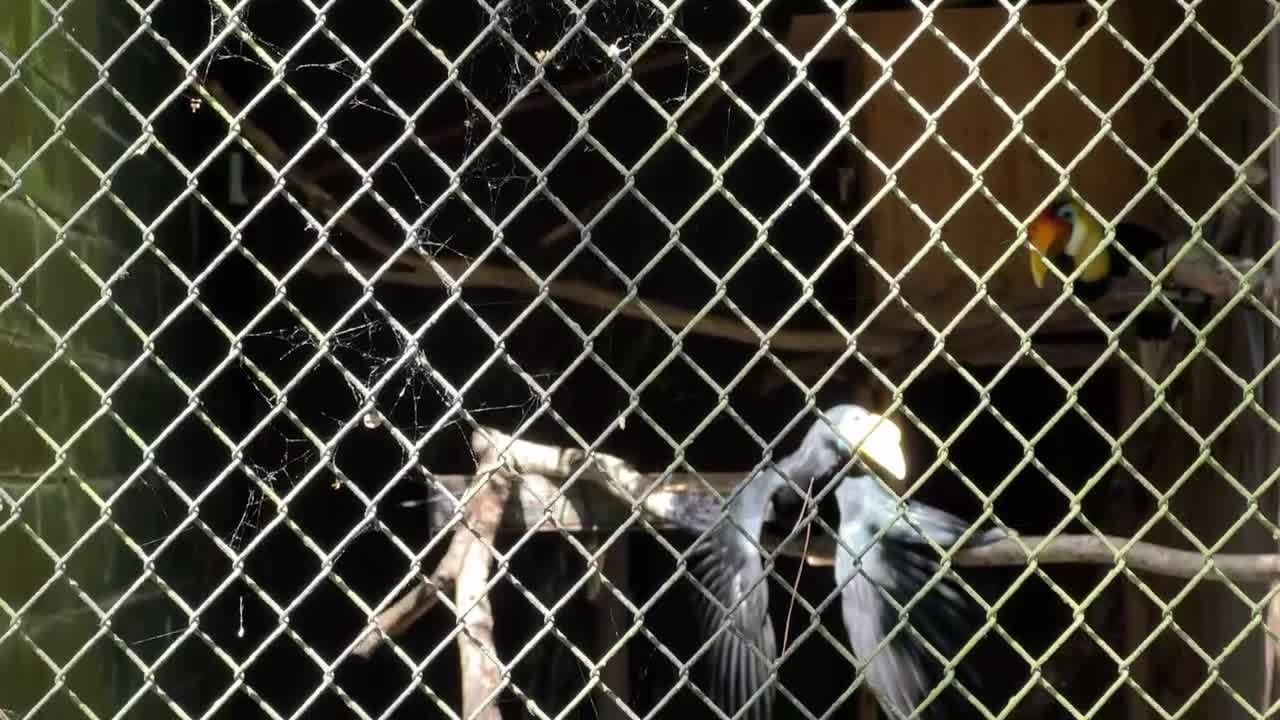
<point x="986" y="342"/>
<point x="539" y="503"/>
<point x="481" y="673"/>
<point x="1204" y="273"/>
<point x="622" y="480"/>
<point x="585" y="508"/>
<point x="465" y="568"/>
<point x="1094" y="550"/>
<point x="535" y="468"/>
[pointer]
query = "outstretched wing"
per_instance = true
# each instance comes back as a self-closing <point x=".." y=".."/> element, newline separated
<point x="939" y="526"/>
<point x="742" y="653"/>
<point x="901" y="564"/>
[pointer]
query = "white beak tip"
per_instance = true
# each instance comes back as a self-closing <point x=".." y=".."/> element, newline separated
<point x="895" y="463"/>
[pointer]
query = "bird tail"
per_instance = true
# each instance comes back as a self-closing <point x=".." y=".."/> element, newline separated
<point x="940" y="615"/>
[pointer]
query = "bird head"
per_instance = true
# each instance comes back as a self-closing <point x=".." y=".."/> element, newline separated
<point x="827" y="447"/>
<point x="1066" y="228"/>
<point x="829" y="444"/>
<point x="872" y="436"/>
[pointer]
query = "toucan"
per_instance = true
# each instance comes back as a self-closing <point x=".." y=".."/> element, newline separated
<point x="1067" y="231"/>
<point x="1066" y="234"/>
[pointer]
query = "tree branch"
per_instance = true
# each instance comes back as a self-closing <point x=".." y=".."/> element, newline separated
<point x="465" y="569"/>
<point x="975" y="344"/>
<point x="1143" y="556"/>
<point x="481" y="671"/>
<point x="623" y="481"/>
<point x="535" y="467"/>
<point x="487" y="276"/>
<point x="969" y="344"/>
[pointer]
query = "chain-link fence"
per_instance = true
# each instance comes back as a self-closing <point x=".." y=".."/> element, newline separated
<point x="618" y="358"/>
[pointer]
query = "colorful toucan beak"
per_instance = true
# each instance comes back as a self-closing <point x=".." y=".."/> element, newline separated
<point x="881" y="441"/>
<point x="1049" y="235"/>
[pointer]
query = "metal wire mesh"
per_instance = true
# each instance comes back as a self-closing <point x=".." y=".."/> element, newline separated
<point x="269" y="265"/>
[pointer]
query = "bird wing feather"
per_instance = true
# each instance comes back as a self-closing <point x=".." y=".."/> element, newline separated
<point x="742" y="653"/>
<point x="900" y="564"/>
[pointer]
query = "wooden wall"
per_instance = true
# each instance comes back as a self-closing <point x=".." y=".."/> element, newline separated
<point x="915" y="181"/>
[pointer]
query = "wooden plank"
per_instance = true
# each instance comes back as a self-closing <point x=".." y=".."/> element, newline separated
<point x="1193" y="71"/>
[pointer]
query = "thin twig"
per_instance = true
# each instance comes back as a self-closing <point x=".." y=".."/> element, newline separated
<point x="316" y="196"/>
<point x="795" y="584"/>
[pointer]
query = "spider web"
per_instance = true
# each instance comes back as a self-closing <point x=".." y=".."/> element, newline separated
<point x="369" y="346"/>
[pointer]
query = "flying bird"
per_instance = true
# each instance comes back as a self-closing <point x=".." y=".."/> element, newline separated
<point x="899" y="564"/>
<point x="728" y="563"/>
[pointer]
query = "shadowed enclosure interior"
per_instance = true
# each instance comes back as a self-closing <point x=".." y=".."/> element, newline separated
<point x="203" y="301"/>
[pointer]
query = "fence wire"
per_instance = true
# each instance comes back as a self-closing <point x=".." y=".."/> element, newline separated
<point x="285" y="286"/>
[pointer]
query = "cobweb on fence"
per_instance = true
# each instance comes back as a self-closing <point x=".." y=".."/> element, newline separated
<point x="520" y="50"/>
<point x="551" y="52"/>
<point x="571" y="42"/>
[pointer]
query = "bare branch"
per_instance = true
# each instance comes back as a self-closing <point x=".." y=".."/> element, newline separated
<point x="1147" y="557"/>
<point x="465" y="569"/>
<point x="481" y="672"/>
<point x="537" y="467"/>
<point x="976" y="344"/>
<point x="677" y="318"/>
<point x="316" y="196"/>
<point x="983" y="344"/>
<point x="624" y="481"/>
<point x="973" y="345"/>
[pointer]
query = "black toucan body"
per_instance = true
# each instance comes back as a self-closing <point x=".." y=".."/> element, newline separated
<point x="1066" y="234"/>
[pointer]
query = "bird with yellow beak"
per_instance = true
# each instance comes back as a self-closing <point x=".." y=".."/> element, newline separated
<point x="1066" y="234"/>
<point x="727" y="561"/>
